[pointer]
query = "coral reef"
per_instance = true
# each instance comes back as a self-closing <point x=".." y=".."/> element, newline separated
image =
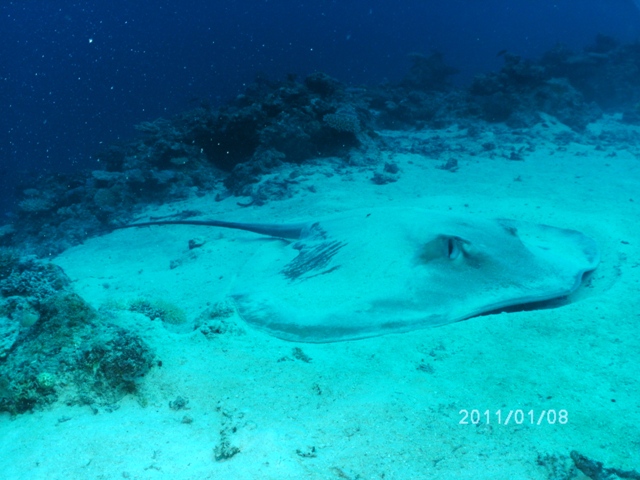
<point x="111" y="366"/>
<point x="217" y="320"/>
<point x="30" y="278"/>
<point x="171" y="316"/>
<point x="517" y="93"/>
<point x="54" y="346"/>
<point x="257" y="145"/>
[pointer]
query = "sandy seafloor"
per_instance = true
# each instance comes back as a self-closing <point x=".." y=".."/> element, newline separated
<point x="366" y="409"/>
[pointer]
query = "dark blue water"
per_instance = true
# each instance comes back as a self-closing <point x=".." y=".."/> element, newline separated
<point x="77" y="75"/>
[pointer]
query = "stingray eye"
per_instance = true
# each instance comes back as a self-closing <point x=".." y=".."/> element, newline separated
<point x="444" y="247"/>
<point x="453" y="248"/>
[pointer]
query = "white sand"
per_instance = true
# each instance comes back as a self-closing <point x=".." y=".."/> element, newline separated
<point x="363" y="409"/>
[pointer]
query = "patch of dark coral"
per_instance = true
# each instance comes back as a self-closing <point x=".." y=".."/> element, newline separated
<point x="605" y="72"/>
<point x="291" y="118"/>
<point x="575" y="87"/>
<point x="522" y="89"/>
<point x="55" y="347"/>
<point x="28" y="277"/>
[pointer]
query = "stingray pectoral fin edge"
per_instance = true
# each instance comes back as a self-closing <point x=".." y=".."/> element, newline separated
<point x="279" y="321"/>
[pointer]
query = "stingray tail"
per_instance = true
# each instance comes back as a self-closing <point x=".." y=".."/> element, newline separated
<point x="291" y="231"/>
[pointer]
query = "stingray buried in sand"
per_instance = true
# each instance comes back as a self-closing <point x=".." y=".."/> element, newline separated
<point x="386" y="270"/>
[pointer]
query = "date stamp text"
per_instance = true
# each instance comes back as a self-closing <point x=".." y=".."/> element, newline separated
<point x="511" y="417"/>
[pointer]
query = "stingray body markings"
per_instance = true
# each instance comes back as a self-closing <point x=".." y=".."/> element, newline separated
<point x="387" y="270"/>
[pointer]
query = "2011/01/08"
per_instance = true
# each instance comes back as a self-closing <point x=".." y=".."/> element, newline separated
<point x="519" y="417"/>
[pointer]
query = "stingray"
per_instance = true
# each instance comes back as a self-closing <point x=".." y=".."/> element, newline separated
<point x="390" y="270"/>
